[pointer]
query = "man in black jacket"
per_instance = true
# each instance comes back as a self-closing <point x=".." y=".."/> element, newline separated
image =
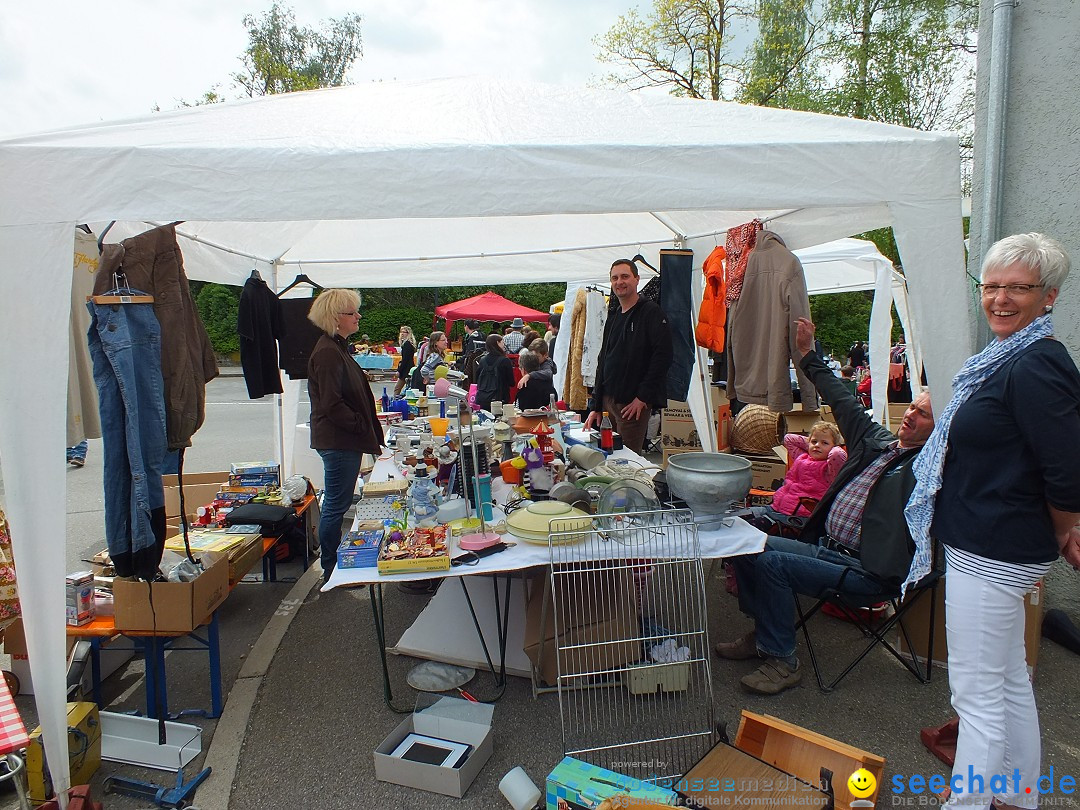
<point x="859" y="524"/>
<point x="631" y="375"/>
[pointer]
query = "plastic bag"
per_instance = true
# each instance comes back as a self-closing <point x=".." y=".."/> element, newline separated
<point x="295" y="488"/>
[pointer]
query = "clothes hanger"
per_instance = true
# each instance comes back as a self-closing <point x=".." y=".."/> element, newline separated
<point x="85" y="228"/>
<point x="121" y="293"/>
<point x="255" y="274"/>
<point x="300" y="279"/>
<point x="639" y="258"/>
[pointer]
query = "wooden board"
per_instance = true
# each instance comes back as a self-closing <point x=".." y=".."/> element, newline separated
<point x="803" y="753"/>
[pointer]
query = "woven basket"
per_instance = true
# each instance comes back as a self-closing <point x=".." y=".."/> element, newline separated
<point x="757" y="430"/>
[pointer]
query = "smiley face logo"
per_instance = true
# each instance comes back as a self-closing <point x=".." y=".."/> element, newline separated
<point x="861" y="783"/>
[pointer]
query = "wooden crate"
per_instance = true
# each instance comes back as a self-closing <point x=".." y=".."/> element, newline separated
<point x="803" y="753"/>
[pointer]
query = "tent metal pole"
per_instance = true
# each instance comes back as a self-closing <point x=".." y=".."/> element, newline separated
<point x="279" y="420"/>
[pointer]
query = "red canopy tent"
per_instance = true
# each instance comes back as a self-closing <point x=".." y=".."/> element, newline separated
<point x="487" y="306"/>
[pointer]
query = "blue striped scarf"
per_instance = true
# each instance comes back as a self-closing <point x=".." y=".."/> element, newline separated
<point x="928" y="466"/>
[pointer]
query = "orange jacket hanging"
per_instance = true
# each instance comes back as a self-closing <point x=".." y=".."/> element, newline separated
<point x="709" y="332"/>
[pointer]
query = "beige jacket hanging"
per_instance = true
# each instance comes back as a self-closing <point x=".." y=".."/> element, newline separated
<point x="761" y="329"/>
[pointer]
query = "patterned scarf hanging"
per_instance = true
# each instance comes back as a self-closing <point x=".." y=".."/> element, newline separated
<point x="740" y="241"/>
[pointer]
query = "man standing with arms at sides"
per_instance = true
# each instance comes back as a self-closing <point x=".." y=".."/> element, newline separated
<point x="631" y="376"/>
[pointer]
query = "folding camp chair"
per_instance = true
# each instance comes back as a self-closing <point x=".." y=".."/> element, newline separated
<point x="876" y="629"/>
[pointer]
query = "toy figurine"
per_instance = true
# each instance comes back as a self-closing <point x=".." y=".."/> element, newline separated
<point x="424" y="497"/>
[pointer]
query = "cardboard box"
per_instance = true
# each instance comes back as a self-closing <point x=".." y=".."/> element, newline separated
<point x="243" y="550"/>
<point x="677" y="429"/>
<point x="589" y="610"/>
<point x="178" y="607"/>
<point x="199" y="490"/>
<point x="79" y="598"/>
<point x="767" y="471"/>
<point x="576" y="784"/>
<point x="723" y="427"/>
<point x="917" y="624"/>
<point x="245" y="557"/>
<point x="800" y="421"/>
<point x="896" y="414"/>
<point x="460" y="721"/>
<point x="803" y="753"/>
<point x="84" y="751"/>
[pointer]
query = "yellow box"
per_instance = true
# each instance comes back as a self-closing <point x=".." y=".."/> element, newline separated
<point x="436" y="562"/>
<point x="84" y="751"/>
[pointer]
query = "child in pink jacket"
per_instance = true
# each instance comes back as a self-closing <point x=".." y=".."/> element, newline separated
<point x="815" y="461"/>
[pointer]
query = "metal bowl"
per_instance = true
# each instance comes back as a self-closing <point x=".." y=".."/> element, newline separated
<point x="709" y="483"/>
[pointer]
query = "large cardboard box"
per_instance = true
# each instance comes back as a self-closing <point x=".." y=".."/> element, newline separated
<point x="199" y="490"/>
<point x="178" y="607"/>
<point x="84" y="751"/>
<point x="677" y="429"/>
<point x="917" y="624"/>
<point x="247" y="555"/>
<point x="800" y="421"/>
<point x="460" y="721"/>
<point x="767" y="471"/>
<point x="803" y="753"/>
<point x="589" y="609"/>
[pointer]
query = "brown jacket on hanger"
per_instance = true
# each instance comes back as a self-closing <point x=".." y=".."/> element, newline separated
<point x="761" y="329"/>
<point x="152" y="263"/>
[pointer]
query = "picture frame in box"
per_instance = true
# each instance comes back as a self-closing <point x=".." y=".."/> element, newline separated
<point x="442" y="718"/>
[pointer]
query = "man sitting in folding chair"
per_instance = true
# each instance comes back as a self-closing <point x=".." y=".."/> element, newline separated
<point x="856" y="540"/>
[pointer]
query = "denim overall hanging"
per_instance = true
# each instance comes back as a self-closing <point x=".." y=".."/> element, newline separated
<point x="125" y="347"/>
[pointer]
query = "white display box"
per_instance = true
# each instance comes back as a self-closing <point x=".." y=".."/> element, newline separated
<point x="460" y="721"/>
<point x="134" y="740"/>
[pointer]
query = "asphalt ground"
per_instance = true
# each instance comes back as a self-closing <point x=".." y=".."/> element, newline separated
<point x="305" y="709"/>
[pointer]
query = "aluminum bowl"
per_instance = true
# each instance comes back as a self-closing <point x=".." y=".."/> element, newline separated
<point x="709" y="483"/>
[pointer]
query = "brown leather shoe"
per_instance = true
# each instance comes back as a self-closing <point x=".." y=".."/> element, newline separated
<point x="741" y="649"/>
<point x="772" y="677"/>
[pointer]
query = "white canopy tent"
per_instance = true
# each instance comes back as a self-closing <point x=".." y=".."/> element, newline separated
<point x="418" y="184"/>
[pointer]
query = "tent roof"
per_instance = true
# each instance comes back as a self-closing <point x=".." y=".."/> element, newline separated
<point x="488" y="306"/>
<point x="455" y="181"/>
<point x="843" y="265"/>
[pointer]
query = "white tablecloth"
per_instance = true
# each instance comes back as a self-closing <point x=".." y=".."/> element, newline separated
<point x="728" y="541"/>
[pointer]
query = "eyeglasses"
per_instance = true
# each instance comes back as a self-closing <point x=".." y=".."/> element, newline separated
<point x="990" y="290"/>
<point x="357" y="314"/>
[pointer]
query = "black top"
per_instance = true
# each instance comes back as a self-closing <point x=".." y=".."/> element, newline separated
<point x="300" y="337"/>
<point x="260" y="326"/>
<point x="1013" y="448"/>
<point x="408" y="359"/>
<point x="634" y="357"/>
<point x="494" y="379"/>
<point x="886" y="547"/>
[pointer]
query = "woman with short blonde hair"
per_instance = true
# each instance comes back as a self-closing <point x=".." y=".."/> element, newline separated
<point x="343" y="421"/>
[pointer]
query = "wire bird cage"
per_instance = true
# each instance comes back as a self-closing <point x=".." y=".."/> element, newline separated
<point x="631" y="642"/>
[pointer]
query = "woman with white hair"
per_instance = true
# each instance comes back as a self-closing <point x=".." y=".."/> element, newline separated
<point x="999" y="488"/>
<point x="343" y="421"/>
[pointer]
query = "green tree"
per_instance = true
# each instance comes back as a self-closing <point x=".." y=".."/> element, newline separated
<point x="218" y="305"/>
<point x="841" y="319"/>
<point x="903" y="62"/>
<point x="282" y="57"/>
<point x="681" y="44"/>
<point x="780" y="71"/>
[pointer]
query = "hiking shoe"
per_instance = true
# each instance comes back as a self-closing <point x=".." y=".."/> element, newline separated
<point x="740" y="649"/>
<point x="772" y="677"/>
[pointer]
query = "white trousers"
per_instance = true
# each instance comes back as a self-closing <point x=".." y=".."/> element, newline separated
<point x="991" y="692"/>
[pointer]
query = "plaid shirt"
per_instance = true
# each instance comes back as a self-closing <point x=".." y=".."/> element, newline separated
<point x="844" y="521"/>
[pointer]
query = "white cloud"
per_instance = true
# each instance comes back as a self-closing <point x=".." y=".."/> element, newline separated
<point x="64" y="62"/>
